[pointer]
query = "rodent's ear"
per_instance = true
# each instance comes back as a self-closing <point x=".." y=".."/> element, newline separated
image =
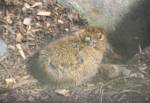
<point x="100" y="36"/>
<point x="100" y="33"/>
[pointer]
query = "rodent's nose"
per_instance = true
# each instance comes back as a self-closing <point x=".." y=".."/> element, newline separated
<point x="87" y="39"/>
<point x="90" y="41"/>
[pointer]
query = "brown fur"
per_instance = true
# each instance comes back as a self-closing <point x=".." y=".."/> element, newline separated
<point x="71" y="59"/>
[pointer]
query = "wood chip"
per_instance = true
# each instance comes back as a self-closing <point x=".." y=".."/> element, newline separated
<point x="44" y="13"/>
<point x="66" y="29"/>
<point x="26" y="5"/>
<point x="18" y="37"/>
<point x="62" y="92"/>
<point x="60" y="21"/>
<point x="36" y="4"/>
<point x="20" y="50"/>
<point x="8" y="19"/>
<point x="27" y="21"/>
<point x="10" y="82"/>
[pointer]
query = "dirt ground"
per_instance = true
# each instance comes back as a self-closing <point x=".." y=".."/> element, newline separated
<point x="28" y="25"/>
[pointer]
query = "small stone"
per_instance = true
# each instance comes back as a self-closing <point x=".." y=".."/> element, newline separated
<point x="66" y="29"/>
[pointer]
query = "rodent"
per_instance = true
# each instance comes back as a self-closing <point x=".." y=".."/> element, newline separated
<point x="70" y="60"/>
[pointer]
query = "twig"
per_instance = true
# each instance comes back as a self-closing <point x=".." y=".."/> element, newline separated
<point x="101" y="91"/>
<point x="20" y="50"/>
<point x="5" y="68"/>
<point x="111" y="81"/>
<point x="101" y="94"/>
<point x="23" y="83"/>
<point x="8" y="28"/>
<point x="129" y="90"/>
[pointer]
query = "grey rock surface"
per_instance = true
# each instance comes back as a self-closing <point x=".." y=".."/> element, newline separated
<point x="3" y="48"/>
<point x="126" y="21"/>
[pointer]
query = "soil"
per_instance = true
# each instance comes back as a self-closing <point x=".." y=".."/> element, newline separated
<point x="24" y="38"/>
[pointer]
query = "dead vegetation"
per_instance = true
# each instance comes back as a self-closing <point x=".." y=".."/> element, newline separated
<point x="28" y="25"/>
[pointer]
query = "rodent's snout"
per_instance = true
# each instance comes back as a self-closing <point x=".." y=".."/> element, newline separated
<point x="90" y="41"/>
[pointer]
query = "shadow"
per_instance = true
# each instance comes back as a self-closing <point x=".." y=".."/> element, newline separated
<point x="130" y="98"/>
<point x="133" y="31"/>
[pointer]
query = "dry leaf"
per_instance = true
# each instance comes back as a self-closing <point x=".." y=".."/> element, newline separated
<point x="44" y="13"/>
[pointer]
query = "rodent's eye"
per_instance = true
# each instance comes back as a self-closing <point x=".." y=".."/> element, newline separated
<point x="100" y="36"/>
